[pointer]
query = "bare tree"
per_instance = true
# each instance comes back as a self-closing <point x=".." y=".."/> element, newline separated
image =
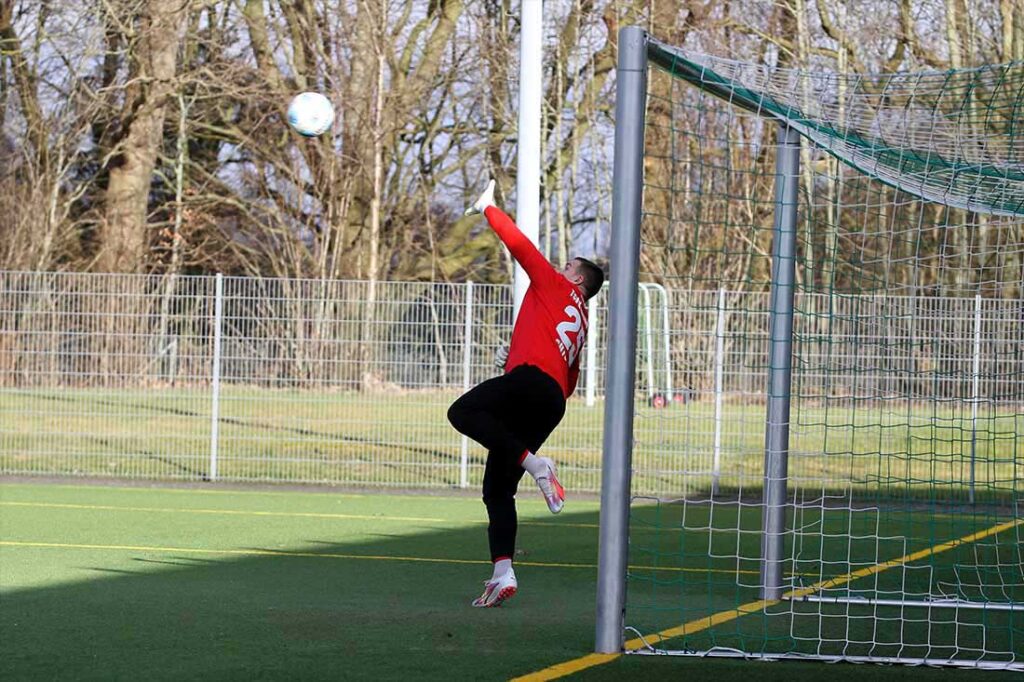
<point x="152" y="31"/>
<point x="103" y="170"/>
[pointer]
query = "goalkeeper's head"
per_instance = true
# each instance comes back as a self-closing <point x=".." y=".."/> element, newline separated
<point x="585" y="274"/>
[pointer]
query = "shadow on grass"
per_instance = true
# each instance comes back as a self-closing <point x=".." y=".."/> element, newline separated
<point x="166" y="614"/>
<point x="315" y="611"/>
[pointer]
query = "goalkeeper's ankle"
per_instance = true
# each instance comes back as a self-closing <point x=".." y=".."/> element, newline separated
<point x="502" y="565"/>
<point x="534" y="465"/>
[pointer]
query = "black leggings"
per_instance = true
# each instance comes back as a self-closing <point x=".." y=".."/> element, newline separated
<point x="508" y="415"/>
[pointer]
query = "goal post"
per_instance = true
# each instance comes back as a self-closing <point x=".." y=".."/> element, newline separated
<point x="776" y="439"/>
<point x="842" y="258"/>
<point x="616" y="462"/>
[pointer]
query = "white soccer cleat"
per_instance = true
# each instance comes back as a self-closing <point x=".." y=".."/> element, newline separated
<point x="486" y="199"/>
<point x="497" y="591"/>
<point x="554" y="493"/>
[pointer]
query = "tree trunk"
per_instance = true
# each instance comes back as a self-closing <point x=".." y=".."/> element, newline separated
<point x="124" y="237"/>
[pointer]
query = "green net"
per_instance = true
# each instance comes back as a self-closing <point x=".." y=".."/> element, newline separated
<point x="904" y="525"/>
<point x="948" y="137"/>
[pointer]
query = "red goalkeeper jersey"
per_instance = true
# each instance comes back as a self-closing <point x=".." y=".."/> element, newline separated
<point x="552" y="324"/>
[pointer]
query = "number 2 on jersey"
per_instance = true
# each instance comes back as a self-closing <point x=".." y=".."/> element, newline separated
<point x="573" y="325"/>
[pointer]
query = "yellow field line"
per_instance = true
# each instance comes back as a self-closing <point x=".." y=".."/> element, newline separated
<point x="235" y="552"/>
<point x="321" y="515"/>
<point x="334" y="555"/>
<point x="230" y="512"/>
<point x="440" y="494"/>
<point x="245" y="512"/>
<point x="570" y="667"/>
<point x="371" y="517"/>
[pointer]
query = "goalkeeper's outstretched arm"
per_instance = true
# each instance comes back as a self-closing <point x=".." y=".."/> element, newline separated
<point x="522" y="249"/>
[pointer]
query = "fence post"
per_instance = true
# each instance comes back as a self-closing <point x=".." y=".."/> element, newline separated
<point x="467" y="352"/>
<point x="716" y="469"/>
<point x="592" y="340"/>
<point x="218" y="316"/>
<point x="648" y="340"/>
<point x="668" y="343"/>
<point x="975" y="391"/>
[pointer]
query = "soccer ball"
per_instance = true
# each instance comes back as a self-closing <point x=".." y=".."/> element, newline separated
<point x="310" y="114"/>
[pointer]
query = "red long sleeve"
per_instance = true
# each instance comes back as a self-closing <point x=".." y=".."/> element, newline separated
<point x="552" y="324"/>
<point x="522" y="249"/>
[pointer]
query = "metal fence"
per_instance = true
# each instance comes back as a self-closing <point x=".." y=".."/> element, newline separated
<point x="347" y="382"/>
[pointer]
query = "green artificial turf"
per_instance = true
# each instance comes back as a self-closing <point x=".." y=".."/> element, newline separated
<point x="210" y="583"/>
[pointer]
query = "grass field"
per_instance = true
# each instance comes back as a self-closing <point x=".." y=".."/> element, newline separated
<point x="119" y="582"/>
<point x="405" y="440"/>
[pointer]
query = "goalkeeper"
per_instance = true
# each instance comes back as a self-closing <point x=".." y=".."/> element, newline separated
<point x="513" y="414"/>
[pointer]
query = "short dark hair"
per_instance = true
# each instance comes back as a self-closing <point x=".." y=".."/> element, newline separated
<point x="593" y="277"/>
